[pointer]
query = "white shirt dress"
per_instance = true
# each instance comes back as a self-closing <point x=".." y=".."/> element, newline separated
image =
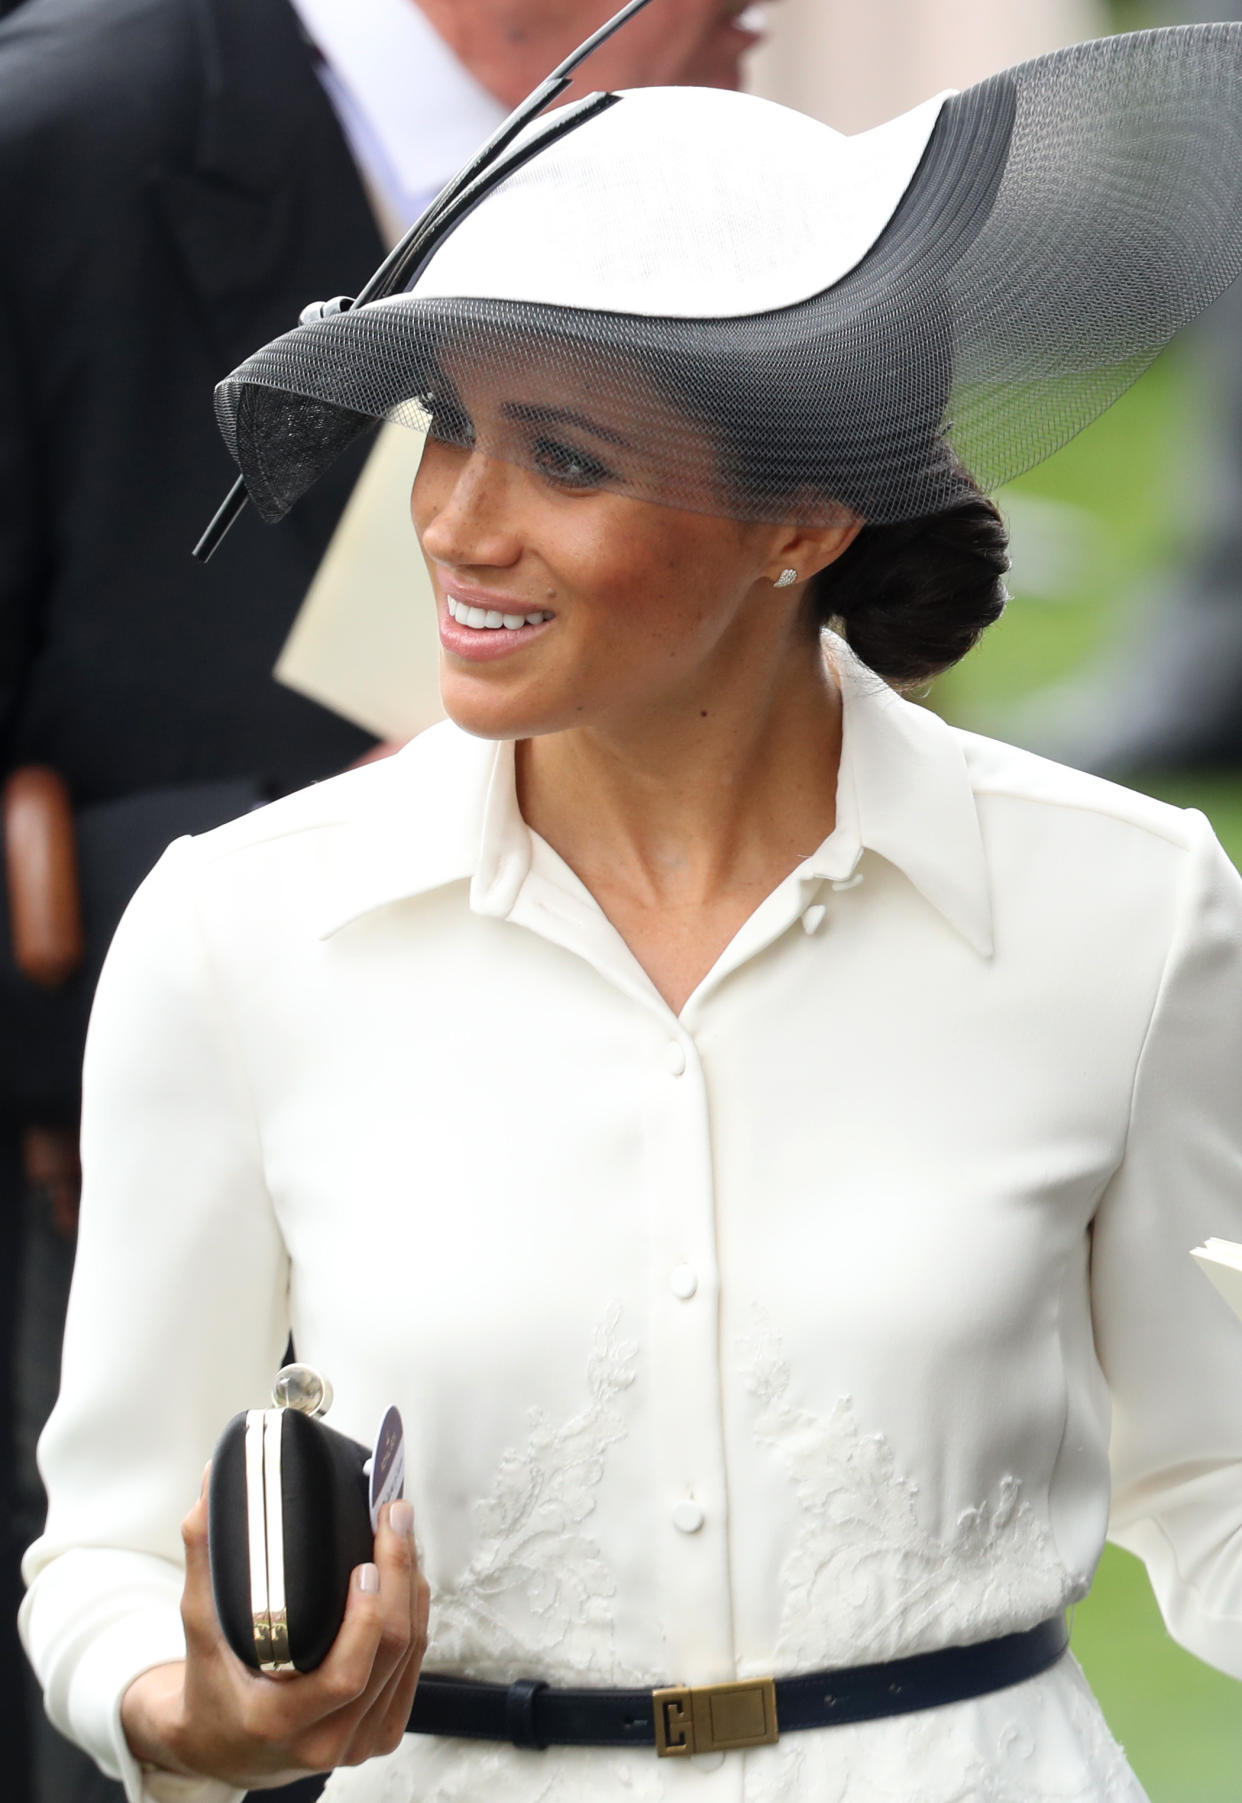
<point x="822" y="1323"/>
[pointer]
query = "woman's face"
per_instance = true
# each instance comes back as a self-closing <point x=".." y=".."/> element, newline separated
<point x="625" y="605"/>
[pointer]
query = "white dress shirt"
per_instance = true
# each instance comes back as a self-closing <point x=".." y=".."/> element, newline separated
<point x="410" y="110"/>
<point x="787" y="1332"/>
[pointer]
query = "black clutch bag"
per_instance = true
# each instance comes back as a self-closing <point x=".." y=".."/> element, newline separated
<point x="289" y="1517"/>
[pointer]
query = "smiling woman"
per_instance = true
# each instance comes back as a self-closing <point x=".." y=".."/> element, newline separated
<point x="754" y="1131"/>
<point x="622" y="607"/>
<point x="912" y="597"/>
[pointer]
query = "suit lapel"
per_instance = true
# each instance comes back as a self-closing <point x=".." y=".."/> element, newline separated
<point x="270" y="211"/>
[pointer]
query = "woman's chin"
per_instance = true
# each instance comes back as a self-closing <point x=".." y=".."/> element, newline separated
<point x="487" y="713"/>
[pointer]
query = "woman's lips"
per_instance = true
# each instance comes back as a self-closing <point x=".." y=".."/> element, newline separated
<point x="482" y="644"/>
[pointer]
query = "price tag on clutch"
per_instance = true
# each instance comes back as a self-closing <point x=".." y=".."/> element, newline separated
<point x="387" y="1465"/>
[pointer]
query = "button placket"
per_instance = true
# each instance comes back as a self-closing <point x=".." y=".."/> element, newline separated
<point x="692" y="1548"/>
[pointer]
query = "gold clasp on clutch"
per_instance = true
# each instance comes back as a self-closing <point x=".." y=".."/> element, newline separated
<point x="715" y="1718"/>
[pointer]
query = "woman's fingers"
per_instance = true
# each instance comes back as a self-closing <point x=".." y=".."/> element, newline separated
<point x="386" y="1705"/>
<point x="393" y="1711"/>
<point x="198" y="1606"/>
<point x="386" y="1720"/>
<point x="349" y="1671"/>
<point x="355" y="1705"/>
<point x="397" y="1560"/>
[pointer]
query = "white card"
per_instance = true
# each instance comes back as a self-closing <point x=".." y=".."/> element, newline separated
<point x="366" y="642"/>
<point x="1221" y="1260"/>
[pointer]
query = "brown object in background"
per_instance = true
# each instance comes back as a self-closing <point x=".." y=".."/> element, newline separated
<point x="41" y="871"/>
<point x="54" y="1171"/>
<point x="49" y="946"/>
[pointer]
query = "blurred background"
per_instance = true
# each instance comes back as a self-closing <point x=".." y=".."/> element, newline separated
<point x="1121" y="650"/>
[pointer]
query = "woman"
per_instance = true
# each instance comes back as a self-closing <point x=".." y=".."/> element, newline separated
<point x="754" y="1131"/>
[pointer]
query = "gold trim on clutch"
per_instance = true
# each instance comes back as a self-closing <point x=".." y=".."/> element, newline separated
<point x="265" y="1540"/>
<point x="278" y="1656"/>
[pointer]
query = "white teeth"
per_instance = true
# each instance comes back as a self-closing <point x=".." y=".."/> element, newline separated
<point x="490" y="619"/>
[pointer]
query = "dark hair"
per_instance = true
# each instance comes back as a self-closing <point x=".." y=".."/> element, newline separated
<point x="911" y="598"/>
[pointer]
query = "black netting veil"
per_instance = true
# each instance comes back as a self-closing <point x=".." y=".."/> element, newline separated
<point x="1065" y="219"/>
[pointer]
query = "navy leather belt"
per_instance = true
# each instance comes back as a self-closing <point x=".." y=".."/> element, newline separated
<point x="682" y="1719"/>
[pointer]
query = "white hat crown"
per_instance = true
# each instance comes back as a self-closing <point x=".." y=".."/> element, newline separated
<point x="785" y="321"/>
<point x="685" y="203"/>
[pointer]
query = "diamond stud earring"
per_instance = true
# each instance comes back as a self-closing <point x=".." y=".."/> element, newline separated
<point x="785" y="578"/>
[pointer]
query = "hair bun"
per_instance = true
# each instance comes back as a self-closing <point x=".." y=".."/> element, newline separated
<point x="912" y="598"/>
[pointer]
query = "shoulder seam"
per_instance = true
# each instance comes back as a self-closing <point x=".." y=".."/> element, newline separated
<point x="1068" y="805"/>
<point x="213" y="854"/>
<point x="227" y="1020"/>
<point x="1161" y="985"/>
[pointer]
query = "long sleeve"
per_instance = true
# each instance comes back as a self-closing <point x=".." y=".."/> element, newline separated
<point x="1170" y="1347"/>
<point x="177" y="1319"/>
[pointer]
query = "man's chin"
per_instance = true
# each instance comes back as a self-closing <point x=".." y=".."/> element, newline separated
<point x="722" y="69"/>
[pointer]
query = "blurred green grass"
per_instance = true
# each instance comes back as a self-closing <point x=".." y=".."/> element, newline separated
<point x="1115" y="489"/>
<point x="1121" y="492"/>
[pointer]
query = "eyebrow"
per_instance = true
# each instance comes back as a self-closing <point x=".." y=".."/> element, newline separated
<point x="531" y="414"/>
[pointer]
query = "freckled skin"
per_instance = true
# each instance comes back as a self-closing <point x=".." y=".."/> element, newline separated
<point x="658" y="610"/>
<point x="678" y="732"/>
<point x="647" y="599"/>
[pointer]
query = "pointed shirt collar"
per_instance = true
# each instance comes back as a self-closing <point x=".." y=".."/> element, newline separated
<point x="904" y="794"/>
<point x="412" y="111"/>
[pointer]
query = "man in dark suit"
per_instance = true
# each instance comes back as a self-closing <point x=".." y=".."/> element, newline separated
<point x="175" y="185"/>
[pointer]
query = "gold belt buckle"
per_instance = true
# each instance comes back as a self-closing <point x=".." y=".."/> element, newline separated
<point x="714" y="1718"/>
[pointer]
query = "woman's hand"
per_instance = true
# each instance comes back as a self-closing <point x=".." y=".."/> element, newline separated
<point x="213" y="1717"/>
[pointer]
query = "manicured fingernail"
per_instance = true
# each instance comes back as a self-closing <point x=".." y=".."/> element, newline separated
<point x="368" y="1579"/>
<point x="401" y="1517"/>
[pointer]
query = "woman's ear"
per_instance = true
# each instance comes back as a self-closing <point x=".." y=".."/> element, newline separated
<point x="813" y="549"/>
<point x="806" y="550"/>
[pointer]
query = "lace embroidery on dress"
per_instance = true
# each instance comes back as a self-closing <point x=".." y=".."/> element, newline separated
<point x="864" y="1579"/>
<point x="463" y="1772"/>
<point x="537" y="1595"/>
<point x="1041" y="1742"/>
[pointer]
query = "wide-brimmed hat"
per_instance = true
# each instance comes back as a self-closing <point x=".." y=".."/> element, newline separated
<point x="707" y="300"/>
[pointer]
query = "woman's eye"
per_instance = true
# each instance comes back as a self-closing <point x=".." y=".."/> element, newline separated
<point x="450" y="422"/>
<point x="570" y="467"/>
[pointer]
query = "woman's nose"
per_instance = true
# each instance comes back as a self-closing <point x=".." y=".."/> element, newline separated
<point x="473" y="520"/>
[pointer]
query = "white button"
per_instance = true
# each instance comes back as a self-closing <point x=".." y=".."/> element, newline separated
<point x="688" y="1517"/>
<point x="813" y="919"/>
<point x="683" y="1281"/>
<point x="675" y="1058"/>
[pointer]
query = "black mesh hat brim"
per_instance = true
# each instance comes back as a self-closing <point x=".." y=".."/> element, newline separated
<point x="1065" y="220"/>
